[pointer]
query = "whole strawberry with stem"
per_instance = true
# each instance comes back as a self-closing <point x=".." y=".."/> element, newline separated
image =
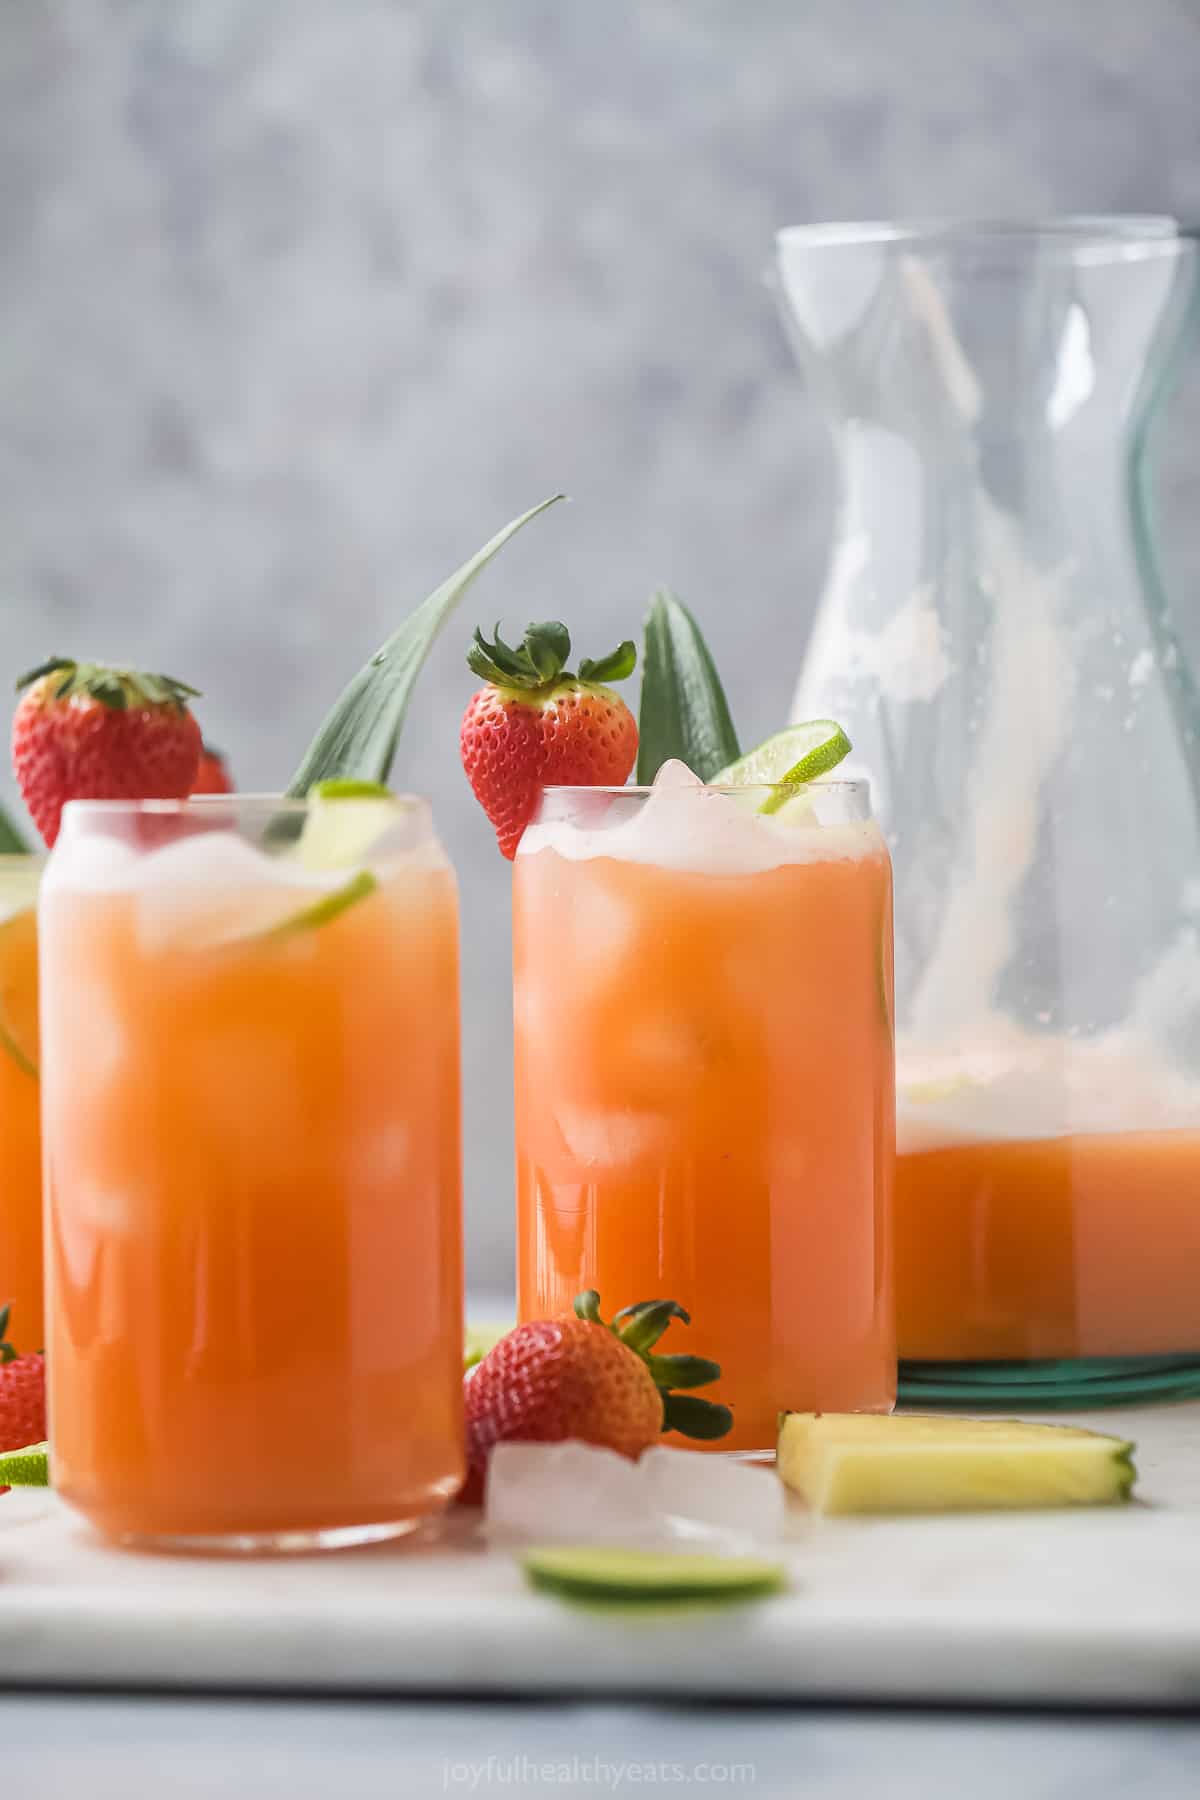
<point x="535" y="724"/>
<point x="83" y="731"/>
<point x="576" y="1377"/>
<point x="212" y="777"/>
<point x="22" y="1395"/>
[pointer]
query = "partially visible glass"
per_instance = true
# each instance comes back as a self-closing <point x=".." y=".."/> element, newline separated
<point x="253" y="1203"/>
<point x="20" y="1137"/>
<point x="704" y="1081"/>
<point x="995" y="636"/>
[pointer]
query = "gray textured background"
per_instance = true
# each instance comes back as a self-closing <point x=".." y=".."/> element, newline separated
<point x="301" y="299"/>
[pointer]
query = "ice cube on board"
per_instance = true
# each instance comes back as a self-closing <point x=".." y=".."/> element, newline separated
<point x="578" y="1493"/>
<point x="702" y="1494"/>
<point x="567" y="1493"/>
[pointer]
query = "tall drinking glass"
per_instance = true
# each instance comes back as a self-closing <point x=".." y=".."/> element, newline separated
<point x="704" y="1080"/>
<point x="251" y="1120"/>
<point x="20" y="1143"/>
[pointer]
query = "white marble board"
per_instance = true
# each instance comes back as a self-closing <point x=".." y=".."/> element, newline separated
<point x="1098" y="1607"/>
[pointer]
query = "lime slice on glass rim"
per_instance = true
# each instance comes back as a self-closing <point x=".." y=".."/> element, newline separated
<point x="345" y="821"/>
<point x="788" y="760"/>
<point x="323" y="911"/>
<point x="18" y="962"/>
<point x="608" y="1573"/>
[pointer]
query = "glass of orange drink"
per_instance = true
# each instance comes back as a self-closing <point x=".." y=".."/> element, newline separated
<point x="253" y="1207"/>
<point x="705" y="1081"/>
<point x="20" y="1138"/>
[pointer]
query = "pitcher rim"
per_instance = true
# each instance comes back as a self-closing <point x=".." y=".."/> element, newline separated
<point x="1092" y="237"/>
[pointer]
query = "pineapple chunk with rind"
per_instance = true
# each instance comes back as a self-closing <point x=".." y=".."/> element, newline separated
<point x="843" y="1463"/>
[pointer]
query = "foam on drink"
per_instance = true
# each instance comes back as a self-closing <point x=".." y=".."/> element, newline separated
<point x="686" y="826"/>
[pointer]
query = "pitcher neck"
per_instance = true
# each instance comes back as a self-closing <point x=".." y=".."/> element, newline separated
<point x="1044" y="487"/>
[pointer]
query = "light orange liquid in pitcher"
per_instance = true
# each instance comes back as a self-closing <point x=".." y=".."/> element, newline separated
<point x="254" y="1217"/>
<point x="20" y="1136"/>
<point x="1082" y="1245"/>
<point x="705" y="1113"/>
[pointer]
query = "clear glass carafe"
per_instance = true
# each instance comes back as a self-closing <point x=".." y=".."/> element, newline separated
<point x="994" y="634"/>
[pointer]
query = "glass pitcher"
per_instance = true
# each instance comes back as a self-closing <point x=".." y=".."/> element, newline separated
<point x="994" y="635"/>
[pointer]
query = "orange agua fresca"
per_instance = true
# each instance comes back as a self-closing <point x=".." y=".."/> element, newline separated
<point x="704" y="1081"/>
<point x="1046" y="1202"/>
<point x="250" y="1067"/>
<point x="20" y="1143"/>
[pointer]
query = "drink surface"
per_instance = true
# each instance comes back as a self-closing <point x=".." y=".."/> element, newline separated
<point x="253" y="1192"/>
<point x="1046" y="1202"/>
<point x="1050" y="1247"/>
<point x="20" y="1140"/>
<point x="704" y="1098"/>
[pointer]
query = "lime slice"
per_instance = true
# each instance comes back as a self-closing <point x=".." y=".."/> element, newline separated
<point x="788" y="760"/>
<point x="595" y="1572"/>
<point x="19" y="878"/>
<point x="324" y="910"/>
<point x="10" y="1047"/>
<point x="11" y="842"/>
<point x="345" y="820"/>
<point x="342" y="787"/>
<point x="344" y="823"/>
<point x="479" y="1340"/>
<point x="929" y="1093"/>
<point x="25" y="1468"/>
<point x="19" y="990"/>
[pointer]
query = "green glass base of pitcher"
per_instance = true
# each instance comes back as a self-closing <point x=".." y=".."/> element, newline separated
<point x="1073" y="1384"/>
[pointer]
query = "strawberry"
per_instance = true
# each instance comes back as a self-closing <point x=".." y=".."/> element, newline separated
<point x="22" y="1396"/>
<point x="213" y="775"/>
<point x="85" y="732"/>
<point x="536" y="725"/>
<point x="576" y="1377"/>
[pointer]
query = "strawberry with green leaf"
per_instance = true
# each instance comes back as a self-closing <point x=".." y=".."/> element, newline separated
<point x="578" y="1377"/>
<point x="22" y="1395"/>
<point x="83" y="731"/>
<point x="535" y="724"/>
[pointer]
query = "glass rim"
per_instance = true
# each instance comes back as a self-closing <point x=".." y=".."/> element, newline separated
<point x="1090" y="237"/>
<point x="199" y="803"/>
<point x="841" y="785"/>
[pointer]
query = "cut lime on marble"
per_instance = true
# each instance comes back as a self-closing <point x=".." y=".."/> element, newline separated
<point x="25" y="1468"/>
<point x="606" y="1573"/>
<point x="788" y="760"/>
